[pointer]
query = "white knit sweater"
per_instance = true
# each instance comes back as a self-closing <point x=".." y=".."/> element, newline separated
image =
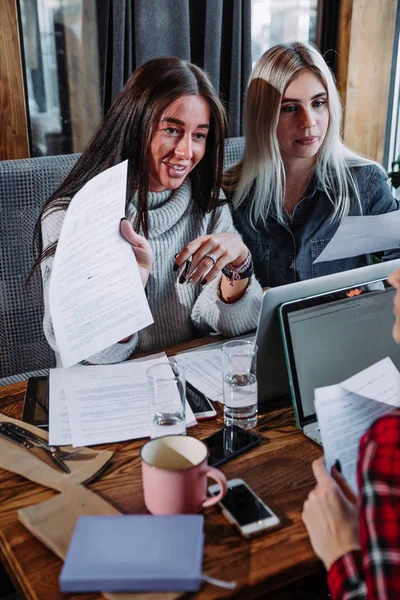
<point x="178" y="309"/>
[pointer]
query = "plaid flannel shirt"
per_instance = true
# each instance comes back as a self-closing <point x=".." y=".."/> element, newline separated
<point x="374" y="571"/>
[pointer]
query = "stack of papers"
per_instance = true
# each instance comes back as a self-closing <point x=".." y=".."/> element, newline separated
<point x="203" y="369"/>
<point x="101" y="404"/>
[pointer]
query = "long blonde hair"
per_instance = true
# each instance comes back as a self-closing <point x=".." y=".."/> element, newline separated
<point x="261" y="171"/>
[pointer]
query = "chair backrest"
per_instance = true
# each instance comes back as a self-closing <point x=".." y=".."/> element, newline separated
<point x="233" y="151"/>
<point x="25" y="185"/>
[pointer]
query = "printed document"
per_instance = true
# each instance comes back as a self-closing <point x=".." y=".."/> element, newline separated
<point x="345" y="412"/>
<point x="363" y="235"/>
<point x="101" y="403"/>
<point x="203" y="369"/>
<point x="96" y="294"/>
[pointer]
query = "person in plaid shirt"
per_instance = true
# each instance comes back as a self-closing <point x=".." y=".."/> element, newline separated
<point x="358" y="538"/>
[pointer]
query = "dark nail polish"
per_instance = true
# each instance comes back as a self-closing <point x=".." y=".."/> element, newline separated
<point x="338" y="466"/>
<point x="176" y="267"/>
<point x="123" y="219"/>
<point x="182" y="279"/>
<point x="187" y="267"/>
<point x="203" y="281"/>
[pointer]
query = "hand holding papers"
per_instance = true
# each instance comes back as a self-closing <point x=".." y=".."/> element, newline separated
<point x="345" y="412"/>
<point x="96" y="294"/>
<point x="363" y="235"/>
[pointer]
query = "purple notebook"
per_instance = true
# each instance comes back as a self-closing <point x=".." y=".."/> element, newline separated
<point x="130" y="553"/>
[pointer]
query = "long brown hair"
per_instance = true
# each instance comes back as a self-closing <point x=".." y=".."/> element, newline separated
<point x="126" y="132"/>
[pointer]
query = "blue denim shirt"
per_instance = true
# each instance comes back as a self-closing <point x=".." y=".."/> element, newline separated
<point x="284" y="253"/>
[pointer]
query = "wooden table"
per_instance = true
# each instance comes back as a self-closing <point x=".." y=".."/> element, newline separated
<point x="280" y="564"/>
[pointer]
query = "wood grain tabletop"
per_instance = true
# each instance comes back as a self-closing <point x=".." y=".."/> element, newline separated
<point x="278" y="469"/>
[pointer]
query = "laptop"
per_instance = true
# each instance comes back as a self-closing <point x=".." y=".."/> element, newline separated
<point x="273" y="381"/>
<point x="331" y="336"/>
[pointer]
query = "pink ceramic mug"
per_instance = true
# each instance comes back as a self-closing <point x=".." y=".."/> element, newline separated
<point x="174" y="472"/>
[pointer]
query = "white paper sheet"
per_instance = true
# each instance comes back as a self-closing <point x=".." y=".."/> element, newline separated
<point x="96" y="295"/>
<point x="102" y="404"/>
<point x="345" y="411"/>
<point x="59" y="430"/>
<point x="363" y="235"/>
<point x="203" y="370"/>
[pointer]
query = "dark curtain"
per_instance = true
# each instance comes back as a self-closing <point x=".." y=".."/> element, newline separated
<point x="328" y="42"/>
<point x="214" y="34"/>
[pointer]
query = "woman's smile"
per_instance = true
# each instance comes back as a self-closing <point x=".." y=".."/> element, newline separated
<point x="179" y="142"/>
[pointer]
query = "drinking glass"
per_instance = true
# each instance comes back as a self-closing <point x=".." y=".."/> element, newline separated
<point x="239" y="365"/>
<point x="166" y="387"/>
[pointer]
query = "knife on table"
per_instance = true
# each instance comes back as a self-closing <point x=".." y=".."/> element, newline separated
<point x="32" y="437"/>
<point x="40" y="453"/>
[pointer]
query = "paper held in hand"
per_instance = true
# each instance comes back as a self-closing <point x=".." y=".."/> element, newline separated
<point x="363" y="235"/>
<point x="345" y="411"/>
<point x="96" y="294"/>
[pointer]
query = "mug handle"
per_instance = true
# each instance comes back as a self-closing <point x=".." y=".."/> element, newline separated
<point x="220" y="478"/>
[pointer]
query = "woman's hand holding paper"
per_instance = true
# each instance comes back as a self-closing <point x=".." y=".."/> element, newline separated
<point x="330" y="514"/>
<point x="141" y="248"/>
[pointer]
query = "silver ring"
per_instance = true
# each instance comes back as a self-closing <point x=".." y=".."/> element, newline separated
<point x="213" y="258"/>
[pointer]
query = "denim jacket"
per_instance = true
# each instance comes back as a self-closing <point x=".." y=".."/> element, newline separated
<point x="284" y="253"/>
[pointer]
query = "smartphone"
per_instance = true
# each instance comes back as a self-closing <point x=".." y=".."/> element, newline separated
<point x="229" y="442"/>
<point x="244" y="509"/>
<point x="36" y="402"/>
<point x="200" y="404"/>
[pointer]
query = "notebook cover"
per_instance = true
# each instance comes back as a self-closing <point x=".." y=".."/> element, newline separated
<point x="126" y="553"/>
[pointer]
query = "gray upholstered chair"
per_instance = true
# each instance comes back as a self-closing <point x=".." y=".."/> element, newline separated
<point x="233" y="151"/>
<point x="25" y="185"/>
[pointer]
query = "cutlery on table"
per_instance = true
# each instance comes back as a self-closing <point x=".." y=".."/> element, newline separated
<point x="54" y="450"/>
<point x="42" y="453"/>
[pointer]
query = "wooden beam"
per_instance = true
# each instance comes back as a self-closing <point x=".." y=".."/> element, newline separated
<point x="346" y="9"/>
<point x="368" y="75"/>
<point x="14" y="141"/>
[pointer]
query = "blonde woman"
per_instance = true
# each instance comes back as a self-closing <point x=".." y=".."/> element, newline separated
<point x="297" y="179"/>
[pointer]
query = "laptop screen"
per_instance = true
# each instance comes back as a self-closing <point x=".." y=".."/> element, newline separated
<point x="330" y="337"/>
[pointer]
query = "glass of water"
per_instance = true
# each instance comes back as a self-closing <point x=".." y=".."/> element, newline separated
<point x="239" y="364"/>
<point x="166" y="387"/>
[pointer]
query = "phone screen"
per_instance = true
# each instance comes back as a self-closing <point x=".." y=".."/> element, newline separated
<point x="36" y="402"/>
<point x="198" y="402"/>
<point x="244" y="505"/>
<point x="228" y="443"/>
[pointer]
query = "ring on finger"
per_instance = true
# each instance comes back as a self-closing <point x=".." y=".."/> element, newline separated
<point x="213" y="258"/>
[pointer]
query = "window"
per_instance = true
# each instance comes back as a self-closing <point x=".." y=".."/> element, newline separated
<point x="277" y="21"/>
<point x="62" y="73"/>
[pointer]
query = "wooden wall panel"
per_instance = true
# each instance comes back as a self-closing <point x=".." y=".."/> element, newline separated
<point x="14" y="141"/>
<point x="346" y="9"/>
<point x="368" y="75"/>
